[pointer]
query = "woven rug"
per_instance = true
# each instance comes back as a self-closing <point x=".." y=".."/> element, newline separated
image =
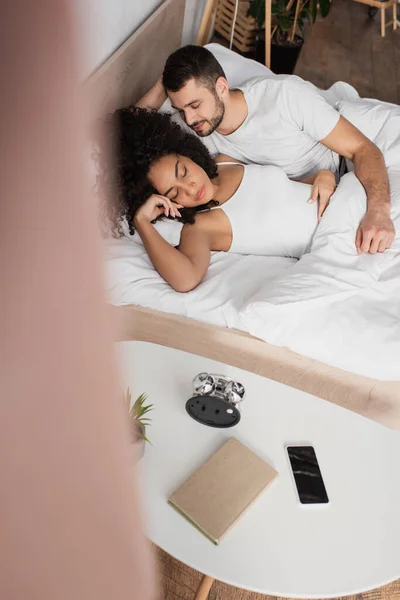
<point x="179" y="582"/>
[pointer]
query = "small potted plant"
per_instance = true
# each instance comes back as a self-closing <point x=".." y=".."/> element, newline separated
<point x="138" y="420"/>
<point x="287" y="34"/>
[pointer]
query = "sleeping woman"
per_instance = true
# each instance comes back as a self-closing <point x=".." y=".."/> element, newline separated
<point x="162" y="171"/>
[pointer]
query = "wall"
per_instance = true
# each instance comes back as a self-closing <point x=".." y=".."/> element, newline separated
<point x="103" y="25"/>
<point x="193" y="13"/>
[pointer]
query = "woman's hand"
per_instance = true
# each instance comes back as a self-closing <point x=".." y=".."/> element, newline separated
<point x="324" y="186"/>
<point x="155" y="206"/>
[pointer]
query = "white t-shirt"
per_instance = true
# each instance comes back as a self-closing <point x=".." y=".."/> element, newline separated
<point x="287" y="117"/>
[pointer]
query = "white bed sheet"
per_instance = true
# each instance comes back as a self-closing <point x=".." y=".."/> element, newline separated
<point x="231" y="280"/>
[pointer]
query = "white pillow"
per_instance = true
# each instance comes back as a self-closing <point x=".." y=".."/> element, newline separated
<point x="378" y="121"/>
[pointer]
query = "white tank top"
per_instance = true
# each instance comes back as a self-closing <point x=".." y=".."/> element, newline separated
<point x="269" y="213"/>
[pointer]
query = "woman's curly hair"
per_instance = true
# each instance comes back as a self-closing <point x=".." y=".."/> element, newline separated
<point x="138" y="138"/>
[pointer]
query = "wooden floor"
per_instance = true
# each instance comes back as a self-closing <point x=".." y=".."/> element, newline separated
<point x="347" y="46"/>
<point x="180" y="583"/>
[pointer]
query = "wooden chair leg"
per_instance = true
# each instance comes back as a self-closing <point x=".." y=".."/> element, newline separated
<point x="206" y="21"/>
<point x="204" y="588"/>
<point x="395" y="15"/>
<point x="383" y="24"/>
<point x="268" y="9"/>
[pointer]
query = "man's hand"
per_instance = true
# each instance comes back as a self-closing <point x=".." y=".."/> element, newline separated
<point x="324" y="186"/>
<point x="154" y="98"/>
<point x="375" y="232"/>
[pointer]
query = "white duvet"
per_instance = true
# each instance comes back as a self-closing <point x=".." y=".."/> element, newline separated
<point x="231" y="280"/>
<point x="333" y="305"/>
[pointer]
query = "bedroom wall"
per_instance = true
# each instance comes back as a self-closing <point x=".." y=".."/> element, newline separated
<point x="103" y="25"/>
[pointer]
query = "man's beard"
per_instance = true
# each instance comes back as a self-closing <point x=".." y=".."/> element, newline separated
<point x="214" y="122"/>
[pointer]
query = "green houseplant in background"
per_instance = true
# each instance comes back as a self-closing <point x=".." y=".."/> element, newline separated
<point x="138" y="419"/>
<point x="287" y="35"/>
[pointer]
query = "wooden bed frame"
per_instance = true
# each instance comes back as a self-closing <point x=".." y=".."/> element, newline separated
<point x="121" y="81"/>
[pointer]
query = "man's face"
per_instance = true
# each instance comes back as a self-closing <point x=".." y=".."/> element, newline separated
<point x="199" y="107"/>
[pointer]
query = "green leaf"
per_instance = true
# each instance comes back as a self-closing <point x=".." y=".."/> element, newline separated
<point x="257" y="10"/>
<point x="284" y="19"/>
<point x="324" y="7"/>
<point x="285" y="23"/>
<point x="251" y="10"/>
<point x="146" y="439"/>
<point x="313" y="9"/>
<point x="261" y="15"/>
<point x="138" y="410"/>
<point x="305" y="15"/>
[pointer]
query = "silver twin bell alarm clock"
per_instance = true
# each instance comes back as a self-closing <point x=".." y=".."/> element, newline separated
<point x="216" y="400"/>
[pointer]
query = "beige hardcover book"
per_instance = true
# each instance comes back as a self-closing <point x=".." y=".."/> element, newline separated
<point x="219" y="492"/>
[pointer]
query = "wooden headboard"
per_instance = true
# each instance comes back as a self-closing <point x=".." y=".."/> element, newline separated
<point x="134" y="68"/>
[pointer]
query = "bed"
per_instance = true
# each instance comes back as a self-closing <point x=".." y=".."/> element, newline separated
<point x="209" y="320"/>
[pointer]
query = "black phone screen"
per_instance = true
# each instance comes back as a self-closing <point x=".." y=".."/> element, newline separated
<point x="308" y="478"/>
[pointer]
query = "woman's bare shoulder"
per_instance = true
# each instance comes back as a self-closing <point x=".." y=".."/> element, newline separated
<point x="197" y="232"/>
<point x="206" y="223"/>
<point x="203" y="221"/>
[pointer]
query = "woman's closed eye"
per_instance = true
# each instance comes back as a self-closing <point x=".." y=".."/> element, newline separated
<point x="183" y="174"/>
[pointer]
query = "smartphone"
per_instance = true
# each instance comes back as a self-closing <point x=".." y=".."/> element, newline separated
<point x="307" y="475"/>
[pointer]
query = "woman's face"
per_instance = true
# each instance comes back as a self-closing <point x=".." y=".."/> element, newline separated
<point x="181" y="180"/>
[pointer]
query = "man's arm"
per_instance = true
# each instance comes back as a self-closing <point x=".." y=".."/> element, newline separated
<point x="154" y="98"/>
<point x="376" y="230"/>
